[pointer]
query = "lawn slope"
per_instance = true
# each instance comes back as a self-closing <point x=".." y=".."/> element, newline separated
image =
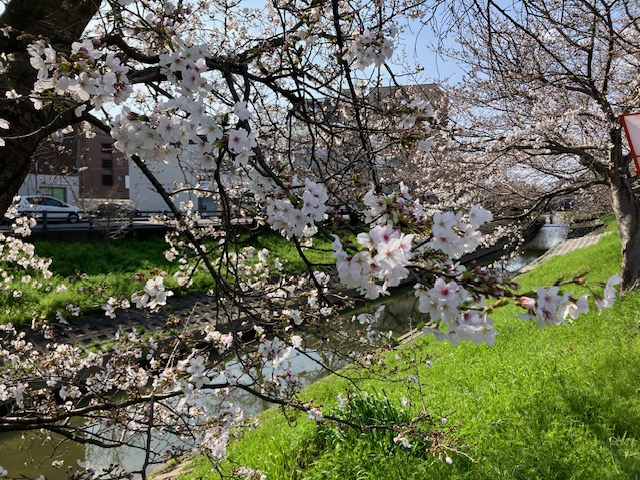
<point x="558" y="403"/>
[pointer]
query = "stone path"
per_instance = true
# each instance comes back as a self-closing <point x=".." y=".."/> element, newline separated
<point x="564" y="247"/>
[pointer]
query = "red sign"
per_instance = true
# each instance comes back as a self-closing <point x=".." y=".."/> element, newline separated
<point x="631" y="124"/>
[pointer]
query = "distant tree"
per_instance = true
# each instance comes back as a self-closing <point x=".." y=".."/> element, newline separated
<point x="545" y="84"/>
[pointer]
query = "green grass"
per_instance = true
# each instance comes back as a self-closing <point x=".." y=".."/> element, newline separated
<point x="319" y="254"/>
<point x="94" y="270"/>
<point x="95" y="258"/>
<point x="558" y="403"/>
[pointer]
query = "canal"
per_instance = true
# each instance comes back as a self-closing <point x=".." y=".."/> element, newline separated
<point x="35" y="453"/>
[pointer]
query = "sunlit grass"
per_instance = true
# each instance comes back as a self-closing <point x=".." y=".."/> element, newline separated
<point x="92" y="271"/>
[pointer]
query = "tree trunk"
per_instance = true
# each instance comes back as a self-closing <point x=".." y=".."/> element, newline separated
<point x="61" y="22"/>
<point x="626" y="209"/>
<point x="627" y="213"/>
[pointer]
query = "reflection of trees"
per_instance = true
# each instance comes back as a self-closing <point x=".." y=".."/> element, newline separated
<point x="33" y="453"/>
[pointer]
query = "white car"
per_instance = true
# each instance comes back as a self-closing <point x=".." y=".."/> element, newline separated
<point x="56" y="210"/>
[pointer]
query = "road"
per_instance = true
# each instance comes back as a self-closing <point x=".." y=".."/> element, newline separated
<point x="135" y="224"/>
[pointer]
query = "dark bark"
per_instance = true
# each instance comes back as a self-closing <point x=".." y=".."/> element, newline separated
<point x="61" y="22"/>
<point x="626" y="209"/>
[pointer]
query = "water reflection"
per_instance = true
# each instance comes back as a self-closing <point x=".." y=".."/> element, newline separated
<point x="33" y="454"/>
<point x="518" y="262"/>
<point x="397" y="318"/>
<point x="549" y="235"/>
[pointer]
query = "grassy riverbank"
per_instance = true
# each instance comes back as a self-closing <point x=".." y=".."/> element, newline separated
<point x="92" y="271"/>
<point x="562" y="402"/>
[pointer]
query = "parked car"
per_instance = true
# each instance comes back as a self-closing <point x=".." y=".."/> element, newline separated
<point x="56" y="210"/>
<point x="114" y="211"/>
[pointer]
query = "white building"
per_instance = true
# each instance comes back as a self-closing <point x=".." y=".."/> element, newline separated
<point x="172" y="176"/>
<point x="179" y="177"/>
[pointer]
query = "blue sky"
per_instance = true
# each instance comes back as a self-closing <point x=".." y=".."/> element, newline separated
<point x="416" y="42"/>
<point x="419" y="43"/>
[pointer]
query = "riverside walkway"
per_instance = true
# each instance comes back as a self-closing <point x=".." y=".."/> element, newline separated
<point x="563" y="248"/>
<point x="201" y="310"/>
<point x="97" y="328"/>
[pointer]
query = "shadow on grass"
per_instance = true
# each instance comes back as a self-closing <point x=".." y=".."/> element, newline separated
<point x="608" y="405"/>
<point x="96" y="258"/>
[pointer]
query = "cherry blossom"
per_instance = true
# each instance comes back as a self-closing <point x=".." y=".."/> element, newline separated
<point x="154" y="294"/>
<point x="609" y="293"/>
<point x="241" y="111"/>
<point x="385" y="259"/>
<point x="85" y="76"/>
<point x="372" y="48"/>
<point x="197" y="370"/>
<point x="442" y="301"/>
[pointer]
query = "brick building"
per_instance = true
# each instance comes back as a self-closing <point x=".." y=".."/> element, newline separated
<point x="106" y="169"/>
<point x="74" y="168"/>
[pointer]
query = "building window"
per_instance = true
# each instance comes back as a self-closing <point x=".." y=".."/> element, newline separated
<point x="107" y="163"/>
<point x="107" y="180"/>
<point x="107" y="148"/>
<point x="119" y="162"/>
<point x="58" y="192"/>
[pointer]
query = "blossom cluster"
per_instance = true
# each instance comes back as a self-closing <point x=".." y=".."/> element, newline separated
<point x="19" y="259"/>
<point x="215" y="440"/>
<point x="276" y="357"/>
<point x="64" y="377"/>
<point x="442" y="301"/>
<point x="455" y="234"/>
<point x="187" y="62"/>
<point x="241" y="143"/>
<point x="416" y="112"/>
<point x="466" y="315"/>
<point x="392" y="208"/>
<point x="300" y="299"/>
<point x="449" y="303"/>
<point x="380" y="263"/>
<point x="416" y="120"/>
<point x="184" y="123"/>
<point x="83" y="75"/>
<point x="372" y="48"/>
<point x="114" y="304"/>
<point x="153" y="295"/>
<point x="297" y="215"/>
<point x="551" y="307"/>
